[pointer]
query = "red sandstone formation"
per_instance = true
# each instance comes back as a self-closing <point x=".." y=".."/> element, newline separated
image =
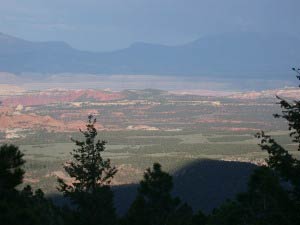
<point x="50" y="97"/>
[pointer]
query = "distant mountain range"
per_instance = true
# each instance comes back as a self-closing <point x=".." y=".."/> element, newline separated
<point x="225" y="55"/>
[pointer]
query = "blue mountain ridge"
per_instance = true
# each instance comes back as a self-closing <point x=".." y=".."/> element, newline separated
<point x="243" y="54"/>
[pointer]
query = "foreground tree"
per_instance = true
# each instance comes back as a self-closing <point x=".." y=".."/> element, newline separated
<point x="266" y="202"/>
<point x="154" y="204"/>
<point x="21" y="207"/>
<point x="273" y="195"/>
<point x="90" y="191"/>
<point x="11" y="172"/>
<point x="283" y="162"/>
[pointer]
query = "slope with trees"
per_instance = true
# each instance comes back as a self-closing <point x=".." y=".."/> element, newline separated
<point x="272" y="197"/>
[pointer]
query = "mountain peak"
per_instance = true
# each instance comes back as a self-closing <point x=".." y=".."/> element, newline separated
<point x="15" y="43"/>
<point x="229" y="54"/>
<point x="11" y="40"/>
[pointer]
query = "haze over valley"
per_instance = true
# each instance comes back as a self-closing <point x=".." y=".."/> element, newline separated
<point x="147" y="112"/>
<point x="177" y="105"/>
<point x="176" y="128"/>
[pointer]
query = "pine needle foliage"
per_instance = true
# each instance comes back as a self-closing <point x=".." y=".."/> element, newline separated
<point x="88" y="168"/>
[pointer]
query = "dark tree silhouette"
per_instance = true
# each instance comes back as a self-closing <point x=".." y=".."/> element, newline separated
<point x="90" y="191"/>
<point x="11" y="172"/>
<point x="266" y="202"/>
<point x="88" y="168"/>
<point x="21" y="207"/>
<point x="273" y="195"/>
<point x="283" y="162"/>
<point x="154" y="204"/>
<point x="287" y="165"/>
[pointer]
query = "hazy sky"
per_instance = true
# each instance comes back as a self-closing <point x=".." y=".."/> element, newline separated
<point x="112" y="24"/>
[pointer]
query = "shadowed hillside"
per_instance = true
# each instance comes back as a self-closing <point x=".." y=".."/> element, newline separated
<point x="204" y="185"/>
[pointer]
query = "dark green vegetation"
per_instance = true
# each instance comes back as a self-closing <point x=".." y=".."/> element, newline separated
<point x="91" y="175"/>
<point x="152" y="125"/>
<point x="272" y="195"/>
<point x="271" y="198"/>
<point x="212" y="135"/>
<point x="21" y="207"/>
<point x="154" y="203"/>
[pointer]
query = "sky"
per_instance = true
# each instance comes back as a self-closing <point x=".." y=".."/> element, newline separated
<point x="105" y="25"/>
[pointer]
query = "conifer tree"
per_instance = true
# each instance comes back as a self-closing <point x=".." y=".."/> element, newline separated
<point x="273" y="195"/>
<point x="154" y="204"/>
<point x="11" y="172"/>
<point x="280" y="159"/>
<point x="91" y="173"/>
<point x="266" y="202"/>
<point x="21" y="207"/>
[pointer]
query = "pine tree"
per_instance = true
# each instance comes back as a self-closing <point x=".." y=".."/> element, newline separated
<point x="266" y="202"/>
<point x="154" y="204"/>
<point x="279" y="159"/>
<point x="90" y="191"/>
<point x="273" y="195"/>
<point x="11" y="172"/>
<point x="21" y="207"/>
